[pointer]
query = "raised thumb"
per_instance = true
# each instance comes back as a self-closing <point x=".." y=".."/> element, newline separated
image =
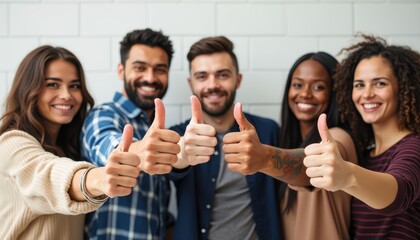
<point x="324" y="133"/>
<point x="159" y="121"/>
<point x="241" y="119"/>
<point x="196" y="111"/>
<point x="126" y="138"/>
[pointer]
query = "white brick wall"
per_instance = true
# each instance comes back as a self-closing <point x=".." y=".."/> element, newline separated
<point x="269" y="35"/>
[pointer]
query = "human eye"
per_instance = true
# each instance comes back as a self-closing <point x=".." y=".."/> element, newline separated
<point x="201" y="77"/>
<point x="223" y="75"/>
<point x="161" y="70"/>
<point x="51" y="84"/>
<point x="75" y="86"/>
<point x="319" y="87"/>
<point x="380" y="84"/>
<point x="358" y="85"/>
<point x="139" y="68"/>
<point x="296" y="85"/>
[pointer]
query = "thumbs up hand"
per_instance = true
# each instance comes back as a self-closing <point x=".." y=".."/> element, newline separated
<point x="158" y="149"/>
<point x="325" y="165"/>
<point x="199" y="139"/>
<point x="243" y="150"/>
<point x="121" y="169"/>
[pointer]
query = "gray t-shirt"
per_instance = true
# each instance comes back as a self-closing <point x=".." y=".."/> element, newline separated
<point x="232" y="213"/>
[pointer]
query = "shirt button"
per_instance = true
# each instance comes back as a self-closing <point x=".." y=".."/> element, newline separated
<point x="203" y="230"/>
<point x="216" y="153"/>
<point x="213" y="179"/>
<point x="208" y="206"/>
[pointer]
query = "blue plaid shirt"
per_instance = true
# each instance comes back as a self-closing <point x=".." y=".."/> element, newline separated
<point x="142" y="214"/>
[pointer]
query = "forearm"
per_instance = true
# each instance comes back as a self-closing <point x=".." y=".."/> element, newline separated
<point x="378" y="190"/>
<point x="286" y="165"/>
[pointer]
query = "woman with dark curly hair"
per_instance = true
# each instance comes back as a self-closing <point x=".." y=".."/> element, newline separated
<point x="378" y="90"/>
<point x="39" y="133"/>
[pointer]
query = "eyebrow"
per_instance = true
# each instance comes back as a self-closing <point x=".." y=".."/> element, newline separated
<point x="60" y="80"/>
<point x="316" y="80"/>
<point x="145" y="63"/>
<point x="217" y="72"/>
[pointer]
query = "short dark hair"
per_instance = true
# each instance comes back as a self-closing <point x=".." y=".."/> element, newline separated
<point x="210" y="45"/>
<point x="146" y="37"/>
<point x="405" y="64"/>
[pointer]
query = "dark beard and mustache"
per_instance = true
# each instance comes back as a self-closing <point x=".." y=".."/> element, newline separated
<point x="224" y="109"/>
<point x="144" y="102"/>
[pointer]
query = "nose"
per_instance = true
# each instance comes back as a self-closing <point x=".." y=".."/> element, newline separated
<point x="149" y="75"/>
<point x="65" y="94"/>
<point x="368" y="92"/>
<point x="212" y="81"/>
<point x="306" y="92"/>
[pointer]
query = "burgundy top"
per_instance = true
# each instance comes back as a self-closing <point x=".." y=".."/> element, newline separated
<point x="401" y="219"/>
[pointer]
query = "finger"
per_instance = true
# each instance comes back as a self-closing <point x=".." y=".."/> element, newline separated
<point x="159" y="121"/>
<point x="196" y="111"/>
<point x="126" y="138"/>
<point x="241" y="119"/>
<point x="323" y="129"/>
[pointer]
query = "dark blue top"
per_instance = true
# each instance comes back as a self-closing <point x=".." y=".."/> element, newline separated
<point x="196" y="188"/>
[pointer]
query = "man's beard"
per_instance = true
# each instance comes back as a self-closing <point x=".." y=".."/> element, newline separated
<point x="224" y="109"/>
<point x="144" y="103"/>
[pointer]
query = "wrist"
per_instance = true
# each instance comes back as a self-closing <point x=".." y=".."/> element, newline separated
<point x="89" y="192"/>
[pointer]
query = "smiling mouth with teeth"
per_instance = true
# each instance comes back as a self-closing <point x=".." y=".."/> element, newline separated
<point x="62" y="107"/>
<point x="370" y="105"/>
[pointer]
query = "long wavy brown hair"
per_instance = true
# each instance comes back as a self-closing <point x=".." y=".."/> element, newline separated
<point x="22" y="102"/>
<point x="405" y="64"/>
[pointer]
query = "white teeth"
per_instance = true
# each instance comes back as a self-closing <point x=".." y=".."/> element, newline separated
<point x="62" y="107"/>
<point x="370" y="105"/>
<point x="305" y="105"/>
<point x="148" y="89"/>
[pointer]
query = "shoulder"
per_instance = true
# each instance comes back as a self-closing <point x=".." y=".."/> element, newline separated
<point x="345" y="144"/>
<point x="261" y="122"/>
<point x="18" y="136"/>
<point x="180" y="128"/>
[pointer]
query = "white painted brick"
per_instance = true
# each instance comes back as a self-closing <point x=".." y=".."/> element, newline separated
<point x="44" y="19"/>
<point x="94" y="53"/>
<point x="178" y="57"/>
<point x="102" y="86"/>
<point x="179" y="90"/>
<point x="111" y="19"/>
<point x="386" y="19"/>
<point x="250" y="19"/>
<point x="173" y="115"/>
<point x="278" y="53"/>
<point x="4" y="91"/>
<point x="268" y="111"/>
<point x="182" y="18"/>
<point x="319" y="19"/>
<point x="412" y="42"/>
<point x="261" y="87"/>
<point x="13" y="50"/>
<point x="185" y="112"/>
<point x="3" y="19"/>
<point x="333" y="45"/>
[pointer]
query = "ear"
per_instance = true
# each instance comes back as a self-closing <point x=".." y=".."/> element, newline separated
<point x="238" y="80"/>
<point x="189" y="82"/>
<point x="120" y="70"/>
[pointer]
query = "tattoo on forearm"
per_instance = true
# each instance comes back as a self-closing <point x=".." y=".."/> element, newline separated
<point x="289" y="162"/>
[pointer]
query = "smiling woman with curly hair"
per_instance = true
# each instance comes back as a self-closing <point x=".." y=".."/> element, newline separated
<point x="378" y="90"/>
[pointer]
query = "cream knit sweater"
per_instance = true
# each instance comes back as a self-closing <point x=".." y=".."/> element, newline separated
<point x="34" y="198"/>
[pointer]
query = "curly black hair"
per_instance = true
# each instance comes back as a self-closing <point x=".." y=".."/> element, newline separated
<point x="405" y="64"/>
